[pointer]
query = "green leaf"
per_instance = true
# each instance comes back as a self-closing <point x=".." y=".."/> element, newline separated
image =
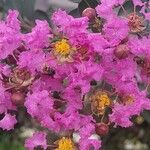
<point x="41" y="15"/>
<point x="75" y="13"/>
<point x="76" y="1"/>
<point x="25" y="7"/>
<point x="28" y="9"/>
<point x="14" y="4"/>
<point x="146" y="115"/>
<point x="1" y="5"/>
<point x="128" y="7"/>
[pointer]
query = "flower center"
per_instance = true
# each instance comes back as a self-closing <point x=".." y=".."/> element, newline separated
<point x="65" y="144"/>
<point x="136" y="23"/>
<point x="99" y="102"/>
<point x="62" y="47"/>
<point x="128" y="100"/>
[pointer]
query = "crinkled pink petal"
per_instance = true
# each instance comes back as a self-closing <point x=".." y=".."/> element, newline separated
<point x="33" y="60"/>
<point x="8" y="122"/>
<point x="12" y="21"/>
<point x="39" y="37"/>
<point x="38" y="139"/>
<point x="39" y="104"/>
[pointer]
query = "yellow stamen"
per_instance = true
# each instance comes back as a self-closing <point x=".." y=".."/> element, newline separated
<point x="62" y="47"/>
<point x="65" y="144"/>
<point x="100" y="101"/>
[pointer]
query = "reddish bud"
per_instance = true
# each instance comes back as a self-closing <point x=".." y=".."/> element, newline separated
<point x="18" y="98"/>
<point x="102" y="129"/>
<point x="146" y="68"/>
<point x="121" y="51"/>
<point x="90" y="13"/>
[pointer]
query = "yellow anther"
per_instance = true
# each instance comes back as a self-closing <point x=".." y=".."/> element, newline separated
<point x="100" y="101"/>
<point x="65" y="144"/>
<point x="62" y="47"/>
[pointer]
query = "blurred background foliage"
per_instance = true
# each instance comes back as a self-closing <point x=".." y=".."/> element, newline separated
<point x="135" y="138"/>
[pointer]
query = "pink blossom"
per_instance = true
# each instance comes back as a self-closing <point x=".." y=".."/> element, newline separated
<point x="122" y="114"/>
<point x="68" y="25"/>
<point x="10" y="37"/>
<point x="98" y="42"/>
<point x="85" y="142"/>
<point x="139" y="47"/>
<point x="39" y="37"/>
<point x="57" y="97"/>
<point x="12" y="21"/>
<point x="5" y="101"/>
<point x="117" y="28"/>
<point x="38" y="139"/>
<point x="8" y="122"/>
<point x="39" y="104"/>
<point x="105" y="9"/>
<point x="34" y="60"/>
<point x="137" y="2"/>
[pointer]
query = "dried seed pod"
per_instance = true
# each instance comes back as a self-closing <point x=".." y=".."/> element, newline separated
<point x="20" y="77"/>
<point x="136" y="23"/>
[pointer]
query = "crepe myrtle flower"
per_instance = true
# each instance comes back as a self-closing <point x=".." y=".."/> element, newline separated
<point x="73" y="81"/>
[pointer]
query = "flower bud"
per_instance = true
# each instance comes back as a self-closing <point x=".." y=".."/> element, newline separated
<point x="90" y="13"/>
<point x="121" y="51"/>
<point x="18" y="98"/>
<point x="139" y="120"/>
<point x="102" y="129"/>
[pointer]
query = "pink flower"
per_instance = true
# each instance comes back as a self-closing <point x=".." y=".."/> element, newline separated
<point x="39" y="104"/>
<point x="10" y="37"/>
<point x="117" y="28"/>
<point x="12" y="21"/>
<point x="122" y="114"/>
<point x="85" y="142"/>
<point x="63" y="65"/>
<point x="8" y="122"/>
<point x="61" y="18"/>
<point x="34" y="60"/>
<point x="105" y="9"/>
<point x="68" y="120"/>
<point x="98" y="42"/>
<point x="68" y="25"/>
<point x="73" y="98"/>
<point x="90" y="143"/>
<point x="139" y="47"/>
<point x="39" y="37"/>
<point x="86" y="71"/>
<point x="5" y="101"/>
<point x="38" y="139"/>
<point x="137" y="2"/>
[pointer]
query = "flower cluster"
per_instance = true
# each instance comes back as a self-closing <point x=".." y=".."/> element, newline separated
<point x="79" y="77"/>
